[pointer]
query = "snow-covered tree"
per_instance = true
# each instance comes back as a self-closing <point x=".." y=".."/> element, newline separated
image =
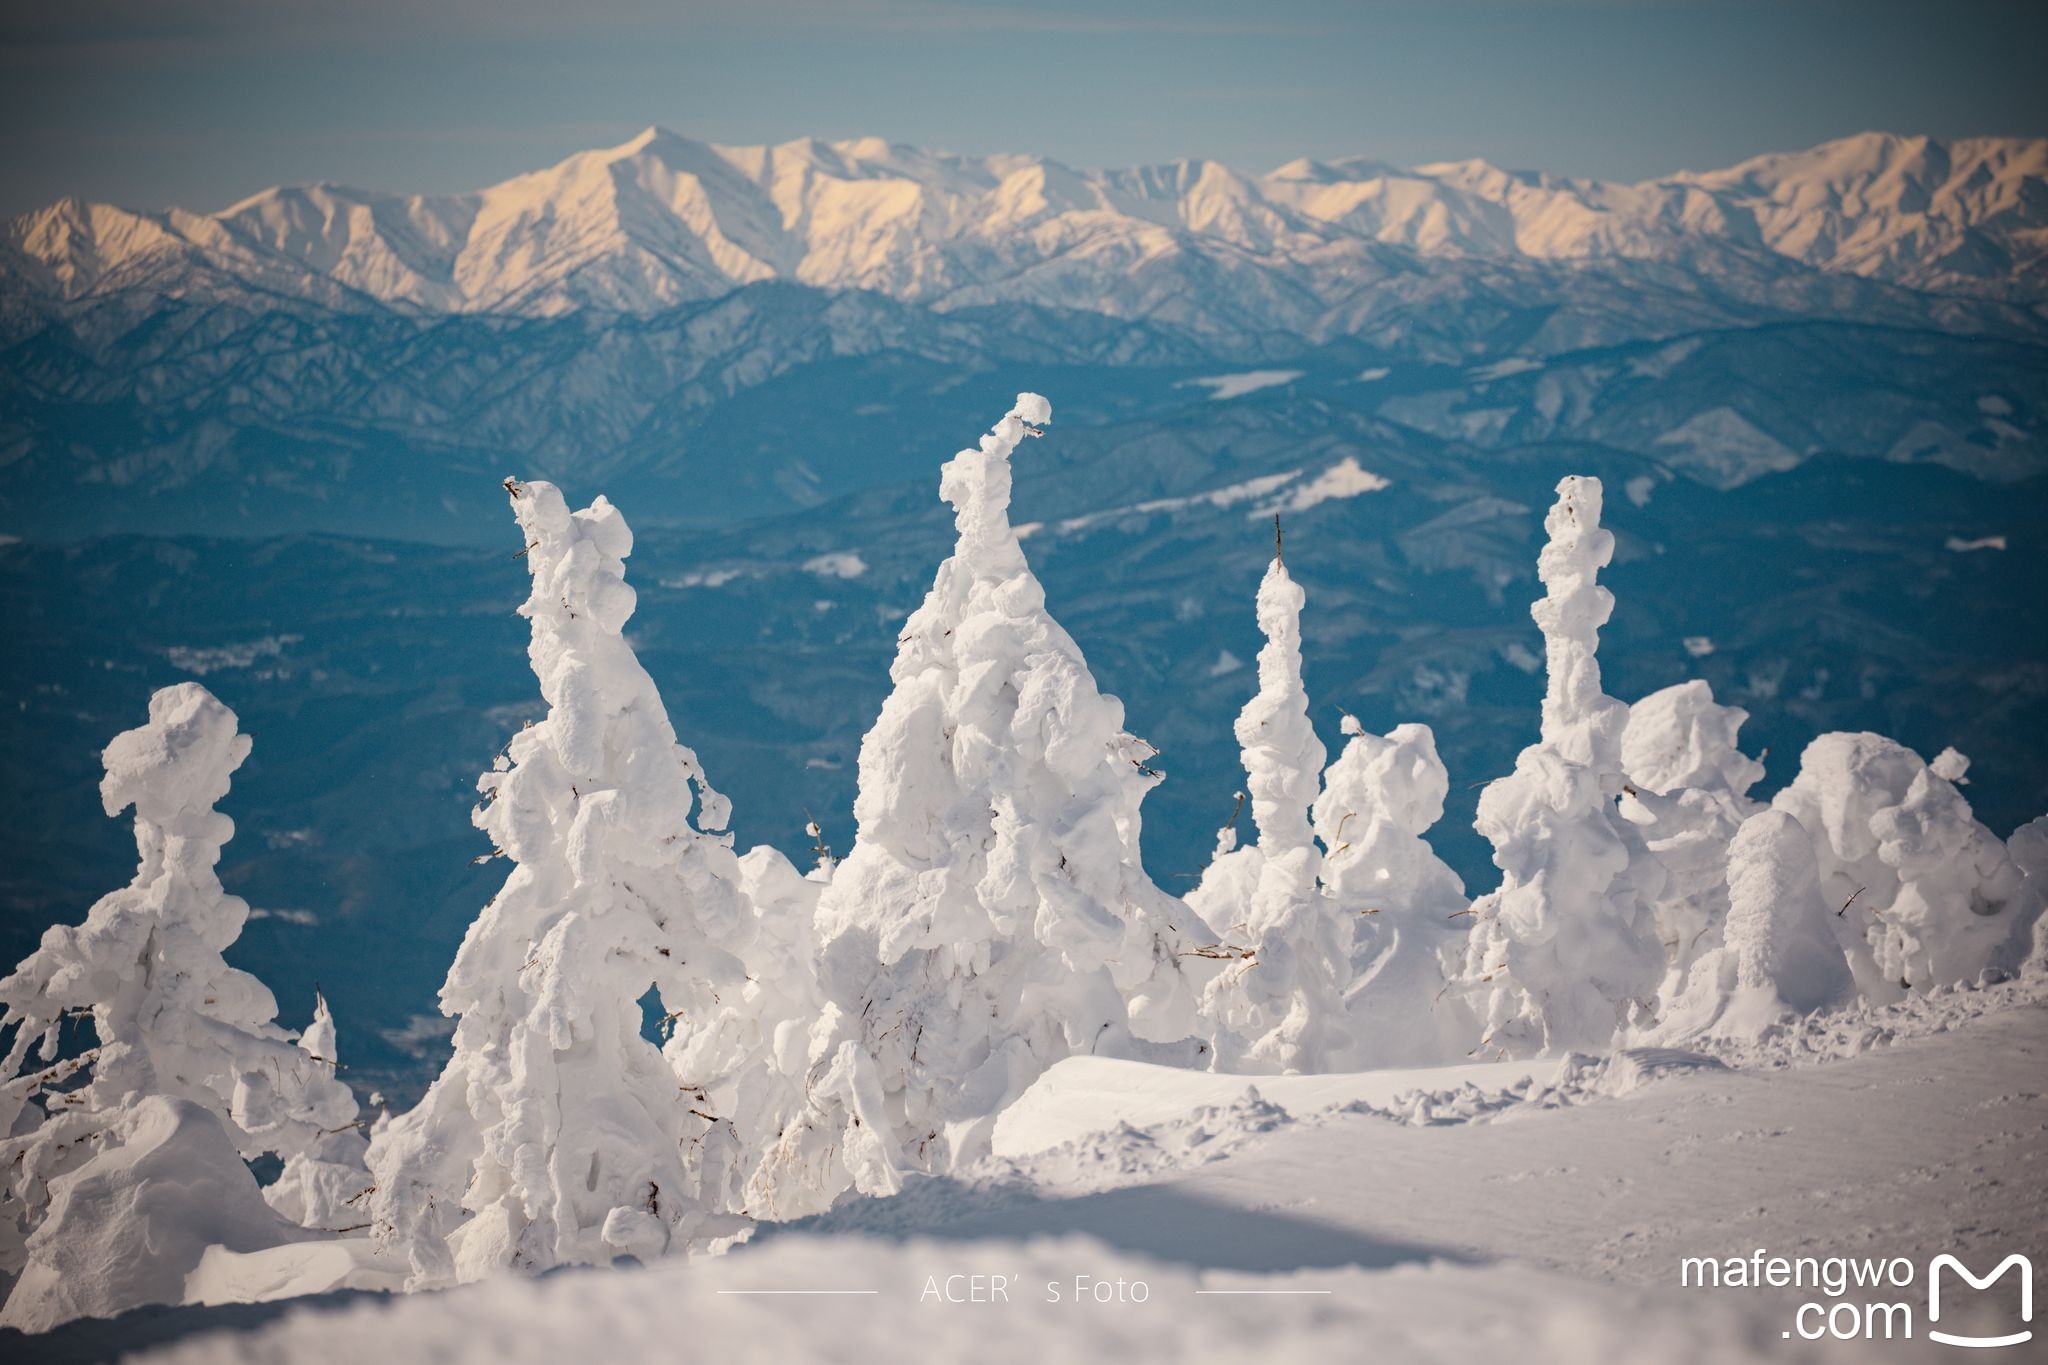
<point x="323" y="1184"/>
<point x="1397" y="899"/>
<point x="187" y="1073"/>
<point x="1778" y="957"/>
<point x="558" y="1133"/>
<point x="751" y="1058"/>
<point x="2029" y="849"/>
<point x="992" y="916"/>
<point x="1687" y="794"/>
<point x="1566" y="950"/>
<point x="1929" y="896"/>
<point x="1278" y="1003"/>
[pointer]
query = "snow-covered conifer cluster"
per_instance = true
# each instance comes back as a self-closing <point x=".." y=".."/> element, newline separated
<point x="1686" y="795"/>
<point x="151" y="1061"/>
<point x="660" y="1041"/>
<point x="1778" y="954"/>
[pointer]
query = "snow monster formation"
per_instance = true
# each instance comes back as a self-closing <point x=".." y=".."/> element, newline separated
<point x="124" y="1160"/>
<point x="993" y="916"/>
<point x="750" y="1056"/>
<point x="1686" y="796"/>
<point x="1778" y="957"/>
<point x="1927" y="895"/>
<point x="1398" y="907"/>
<point x="558" y="1134"/>
<point x="1566" y="950"/>
<point x="1278" y="1003"/>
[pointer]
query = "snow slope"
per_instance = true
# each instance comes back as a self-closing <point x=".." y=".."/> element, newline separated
<point x="1552" y="1227"/>
<point x="662" y="220"/>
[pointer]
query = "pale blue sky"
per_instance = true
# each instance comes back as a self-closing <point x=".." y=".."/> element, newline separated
<point x="199" y="102"/>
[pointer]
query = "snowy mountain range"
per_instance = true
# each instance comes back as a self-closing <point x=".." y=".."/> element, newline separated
<point x="663" y="220"/>
<point x="263" y="448"/>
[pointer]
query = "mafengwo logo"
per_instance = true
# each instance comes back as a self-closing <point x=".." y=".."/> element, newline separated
<point x="2012" y="1262"/>
<point x="1862" y="1302"/>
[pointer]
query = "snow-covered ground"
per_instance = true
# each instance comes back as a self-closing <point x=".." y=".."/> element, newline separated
<point x="1086" y="1095"/>
<point x="1542" y="1209"/>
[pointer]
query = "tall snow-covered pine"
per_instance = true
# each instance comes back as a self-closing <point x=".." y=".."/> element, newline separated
<point x="558" y="1134"/>
<point x="1278" y="1003"/>
<point x="992" y="916"/>
<point x="1565" y="951"/>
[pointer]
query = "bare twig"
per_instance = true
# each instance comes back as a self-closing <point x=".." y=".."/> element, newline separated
<point x="1236" y="810"/>
<point x="1223" y="952"/>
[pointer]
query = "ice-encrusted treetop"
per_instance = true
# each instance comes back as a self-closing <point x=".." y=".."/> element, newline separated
<point x="1679" y="737"/>
<point x="1579" y="719"/>
<point x="1283" y="759"/>
<point x="175" y="769"/>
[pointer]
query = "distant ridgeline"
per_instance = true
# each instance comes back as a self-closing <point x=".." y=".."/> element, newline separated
<point x="659" y="1041"/>
<point x="340" y="359"/>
